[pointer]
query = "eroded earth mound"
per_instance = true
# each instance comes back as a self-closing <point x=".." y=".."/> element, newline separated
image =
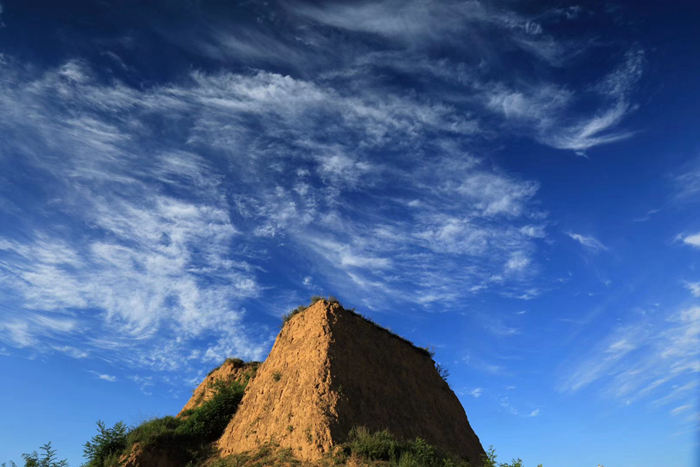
<point x="331" y="370"/>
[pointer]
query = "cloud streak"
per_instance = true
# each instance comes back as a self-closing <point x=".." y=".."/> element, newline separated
<point x="145" y="218"/>
<point x="655" y="361"/>
<point x="587" y="241"/>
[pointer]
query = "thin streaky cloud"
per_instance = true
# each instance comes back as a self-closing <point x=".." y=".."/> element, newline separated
<point x="643" y="360"/>
<point x="587" y="241"/>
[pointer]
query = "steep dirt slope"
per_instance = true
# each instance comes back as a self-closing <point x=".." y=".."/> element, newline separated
<point x="331" y="370"/>
<point x="231" y="370"/>
<point x="290" y="401"/>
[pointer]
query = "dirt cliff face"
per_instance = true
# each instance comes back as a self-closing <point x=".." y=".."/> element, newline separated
<point x="331" y="370"/>
<point x="231" y="370"/>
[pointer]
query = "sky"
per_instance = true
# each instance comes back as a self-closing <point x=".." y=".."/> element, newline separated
<point x="515" y="183"/>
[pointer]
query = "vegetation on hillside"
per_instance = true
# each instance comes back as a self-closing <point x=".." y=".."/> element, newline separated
<point x="47" y="459"/>
<point x="185" y="440"/>
<point x="363" y="449"/>
<point x="188" y="440"/>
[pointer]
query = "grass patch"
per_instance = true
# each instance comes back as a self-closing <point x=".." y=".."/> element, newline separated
<point x="302" y="308"/>
<point x="293" y="313"/>
<point x="363" y="449"/>
<point x="383" y="446"/>
<point x="184" y="441"/>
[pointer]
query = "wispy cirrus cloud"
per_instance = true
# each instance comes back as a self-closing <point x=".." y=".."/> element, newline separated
<point x="588" y="241"/>
<point x="141" y="248"/>
<point x="694" y="288"/>
<point x="548" y="110"/>
<point x="655" y="361"/>
<point x="105" y="377"/>
<point x="163" y="207"/>
<point x="554" y="113"/>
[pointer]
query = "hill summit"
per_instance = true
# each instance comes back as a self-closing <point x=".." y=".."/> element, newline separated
<point x="331" y="370"/>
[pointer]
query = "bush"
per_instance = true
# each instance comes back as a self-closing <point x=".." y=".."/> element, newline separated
<point x="443" y="372"/>
<point x="293" y="313"/>
<point x="185" y="439"/>
<point x="153" y="431"/>
<point x="301" y="308"/>
<point x="383" y="446"/>
<point x="316" y="298"/>
<point x="489" y="460"/>
<point x="207" y="422"/>
<point x="378" y="446"/>
<point x="48" y="459"/>
<point x="105" y="444"/>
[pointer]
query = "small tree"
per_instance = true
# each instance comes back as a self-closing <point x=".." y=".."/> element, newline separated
<point x="48" y="459"/>
<point x="107" y="442"/>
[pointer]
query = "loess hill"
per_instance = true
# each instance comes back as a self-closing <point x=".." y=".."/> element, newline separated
<point x="330" y="372"/>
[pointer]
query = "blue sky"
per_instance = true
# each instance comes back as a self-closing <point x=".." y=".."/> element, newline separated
<point x="514" y="183"/>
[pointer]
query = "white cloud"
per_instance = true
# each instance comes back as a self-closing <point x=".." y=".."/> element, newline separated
<point x="688" y="183"/>
<point x="109" y="378"/>
<point x="418" y="23"/>
<point x="534" y="413"/>
<point x="647" y="358"/>
<point x="547" y="110"/>
<point x="518" y="262"/>
<point x="692" y="240"/>
<point x="164" y="203"/>
<point x="149" y="258"/>
<point x="681" y="409"/>
<point x="588" y="241"/>
<point x="694" y="288"/>
<point x="476" y="392"/>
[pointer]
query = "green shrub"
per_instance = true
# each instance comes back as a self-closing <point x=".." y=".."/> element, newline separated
<point x="302" y="308"/>
<point x="154" y="431"/>
<point x="276" y="375"/>
<point x="383" y="446"/>
<point x="48" y="459"/>
<point x="378" y="446"/>
<point x="316" y="298"/>
<point x="442" y="371"/>
<point x="489" y="460"/>
<point x="293" y="313"/>
<point x="185" y="439"/>
<point x="107" y="443"/>
<point x="207" y="422"/>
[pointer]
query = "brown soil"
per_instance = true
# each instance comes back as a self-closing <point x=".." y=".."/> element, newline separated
<point x="231" y="370"/>
<point x="331" y="370"/>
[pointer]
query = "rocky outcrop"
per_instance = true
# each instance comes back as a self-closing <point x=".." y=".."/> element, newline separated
<point x="331" y="370"/>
